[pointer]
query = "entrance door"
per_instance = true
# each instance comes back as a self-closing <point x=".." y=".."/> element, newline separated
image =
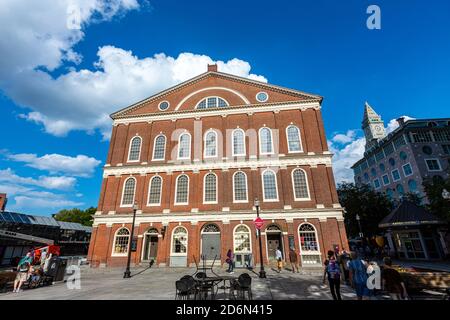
<point x="153" y="250"/>
<point x="273" y="242"/>
<point x="211" y="246"/>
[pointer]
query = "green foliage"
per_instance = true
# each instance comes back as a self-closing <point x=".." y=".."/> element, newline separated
<point x="85" y="217"/>
<point x="371" y="206"/>
<point x="437" y="205"/>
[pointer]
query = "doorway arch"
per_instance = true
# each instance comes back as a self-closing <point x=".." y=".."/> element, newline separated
<point x="150" y="247"/>
<point x="210" y="246"/>
<point x="274" y="240"/>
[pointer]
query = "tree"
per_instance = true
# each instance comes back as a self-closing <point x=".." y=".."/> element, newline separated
<point x="437" y="205"/>
<point x="83" y="217"/>
<point x="371" y="206"/>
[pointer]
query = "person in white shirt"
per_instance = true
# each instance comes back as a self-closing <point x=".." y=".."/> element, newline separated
<point x="279" y="257"/>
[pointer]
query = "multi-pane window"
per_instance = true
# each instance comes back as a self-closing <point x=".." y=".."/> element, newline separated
<point x="270" y="186"/>
<point x="300" y="184"/>
<point x="412" y="185"/>
<point x="184" y="146"/>
<point x="433" y="165"/>
<point x="379" y="155"/>
<point x="293" y="136"/>
<point x="395" y="175"/>
<point x="181" y="196"/>
<point x="238" y="142"/>
<point x="407" y="170"/>
<point x="371" y="161"/>
<point x="376" y="184"/>
<point x="179" y="241"/>
<point x="442" y="135"/>
<point x="128" y="192"/>
<point x="242" y="239"/>
<point x="121" y="241"/>
<point x="212" y="102"/>
<point x="400" y="141"/>
<point x="421" y="136"/>
<point x="388" y="149"/>
<point x="308" y="238"/>
<point x="400" y="190"/>
<point x="446" y="148"/>
<point x="210" y="189"/>
<point x="265" y="140"/>
<point x="211" y="144"/>
<point x="240" y="187"/>
<point x="159" y="148"/>
<point x="154" y="193"/>
<point x="135" y="149"/>
<point x="386" y="180"/>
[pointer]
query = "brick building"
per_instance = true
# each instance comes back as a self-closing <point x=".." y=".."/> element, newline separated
<point x="194" y="157"/>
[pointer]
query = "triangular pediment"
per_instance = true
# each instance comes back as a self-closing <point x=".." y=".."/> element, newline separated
<point x="233" y="91"/>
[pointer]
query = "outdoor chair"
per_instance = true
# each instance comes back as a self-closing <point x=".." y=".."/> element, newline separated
<point x="184" y="291"/>
<point x="204" y="288"/>
<point x="243" y="286"/>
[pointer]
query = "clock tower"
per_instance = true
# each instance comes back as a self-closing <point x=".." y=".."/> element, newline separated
<point x="373" y="126"/>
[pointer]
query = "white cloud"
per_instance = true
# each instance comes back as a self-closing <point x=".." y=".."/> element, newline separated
<point x="81" y="165"/>
<point x="35" y="39"/>
<point x="393" y="124"/>
<point x="344" y="138"/>
<point x="27" y="202"/>
<point x="55" y="183"/>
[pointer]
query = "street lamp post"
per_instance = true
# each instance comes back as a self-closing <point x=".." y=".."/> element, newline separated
<point x="358" y="218"/>
<point x="262" y="273"/>
<point x="127" y="273"/>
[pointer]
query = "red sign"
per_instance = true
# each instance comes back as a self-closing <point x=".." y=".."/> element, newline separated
<point x="259" y="223"/>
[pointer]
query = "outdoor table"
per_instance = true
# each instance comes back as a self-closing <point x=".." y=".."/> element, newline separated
<point x="224" y="279"/>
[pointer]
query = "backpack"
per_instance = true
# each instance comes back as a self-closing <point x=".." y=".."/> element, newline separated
<point x="333" y="270"/>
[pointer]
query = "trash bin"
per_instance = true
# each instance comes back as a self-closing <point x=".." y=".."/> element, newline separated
<point x="57" y="268"/>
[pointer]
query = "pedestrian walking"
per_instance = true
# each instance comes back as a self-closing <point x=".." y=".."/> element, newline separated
<point x="393" y="282"/>
<point x="23" y="270"/>
<point x="343" y="261"/>
<point x="230" y="261"/>
<point x="279" y="257"/>
<point x="358" y="276"/>
<point x="332" y="272"/>
<point x="293" y="258"/>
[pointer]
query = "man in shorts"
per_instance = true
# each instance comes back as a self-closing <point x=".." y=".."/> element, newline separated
<point x="23" y="269"/>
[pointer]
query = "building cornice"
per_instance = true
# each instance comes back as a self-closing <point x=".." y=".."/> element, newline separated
<point x="306" y="160"/>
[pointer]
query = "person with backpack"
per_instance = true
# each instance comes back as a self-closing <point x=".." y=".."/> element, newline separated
<point x="23" y="269"/>
<point x="333" y="273"/>
<point x="230" y="261"/>
<point x="358" y="276"/>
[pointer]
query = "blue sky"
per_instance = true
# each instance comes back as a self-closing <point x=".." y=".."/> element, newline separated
<point x="58" y="85"/>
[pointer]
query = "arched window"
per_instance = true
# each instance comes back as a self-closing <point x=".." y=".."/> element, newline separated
<point x="182" y="190"/>
<point x="300" y="183"/>
<point x="184" y="146"/>
<point x="294" y="140"/>
<point x="265" y="141"/>
<point x="121" y="241"/>
<point x="309" y="246"/>
<point x="400" y="190"/>
<point x="390" y="193"/>
<point x="240" y="187"/>
<point x="210" y="188"/>
<point x="154" y="191"/>
<point x="241" y="239"/>
<point x="212" y="102"/>
<point x="210" y="144"/>
<point x="270" y="188"/>
<point x="238" y="142"/>
<point x="129" y="188"/>
<point x="159" y="147"/>
<point x="210" y="228"/>
<point x="179" y="241"/>
<point x="412" y="185"/>
<point x="135" y="149"/>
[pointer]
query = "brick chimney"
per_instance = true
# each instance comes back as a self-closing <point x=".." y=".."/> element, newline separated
<point x="212" y="67"/>
<point x="3" y="201"/>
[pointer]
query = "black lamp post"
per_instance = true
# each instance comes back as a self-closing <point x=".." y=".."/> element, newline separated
<point x="127" y="273"/>
<point x="358" y="218"/>
<point x="262" y="273"/>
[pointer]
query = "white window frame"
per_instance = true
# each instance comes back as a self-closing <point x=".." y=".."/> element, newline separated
<point x="399" y="175"/>
<point x="299" y="139"/>
<point x="123" y="193"/>
<point x="160" y="192"/>
<point x="113" y="254"/>
<point x="217" y="100"/>
<point x="140" y="149"/>
<point x="267" y="96"/>
<point x="249" y="236"/>
<point x="306" y="253"/>
<point x="382" y="179"/>
<point x="216" y="148"/>
<point x="246" y="188"/>
<point x="176" y="191"/>
<point x="264" y="188"/>
<point x="154" y="147"/>
<point x="179" y="145"/>
<point x="260" y="141"/>
<point x="233" y="151"/>
<point x="403" y="168"/>
<point x="168" y="105"/>
<point x="379" y="186"/>
<point x="187" y="243"/>
<point x="204" y="189"/>
<point x="307" y="185"/>
<point x="438" y="162"/>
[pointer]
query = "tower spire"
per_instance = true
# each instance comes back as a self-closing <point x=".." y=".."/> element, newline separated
<point x="373" y="126"/>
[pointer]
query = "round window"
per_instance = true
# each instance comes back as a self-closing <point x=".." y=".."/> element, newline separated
<point x="262" y="97"/>
<point x="382" y="167"/>
<point x="392" y="161"/>
<point x="427" y="150"/>
<point x="403" y="155"/>
<point x="164" y="105"/>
